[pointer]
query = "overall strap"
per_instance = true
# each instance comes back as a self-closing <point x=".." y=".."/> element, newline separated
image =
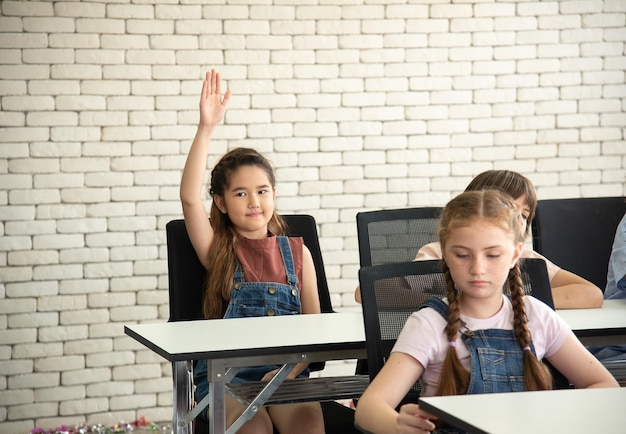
<point x="438" y="304"/>
<point x="285" y="252"/>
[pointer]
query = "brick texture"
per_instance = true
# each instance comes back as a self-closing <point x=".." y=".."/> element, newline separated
<point x="360" y="105"/>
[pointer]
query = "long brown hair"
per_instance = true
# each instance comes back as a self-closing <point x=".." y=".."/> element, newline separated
<point x="498" y="209"/>
<point x="512" y="183"/>
<point x="222" y="256"/>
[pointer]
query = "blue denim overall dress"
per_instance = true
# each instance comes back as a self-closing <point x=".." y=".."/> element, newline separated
<point x="497" y="360"/>
<point x="254" y="299"/>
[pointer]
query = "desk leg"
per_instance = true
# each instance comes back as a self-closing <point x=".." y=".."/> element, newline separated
<point x="217" y="407"/>
<point x="182" y="376"/>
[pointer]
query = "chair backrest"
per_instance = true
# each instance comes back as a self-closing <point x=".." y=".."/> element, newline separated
<point x="395" y="235"/>
<point x="392" y="292"/>
<point x="577" y="234"/>
<point x="186" y="274"/>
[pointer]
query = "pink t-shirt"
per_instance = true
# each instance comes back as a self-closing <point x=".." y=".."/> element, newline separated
<point x="423" y="336"/>
<point x="433" y="251"/>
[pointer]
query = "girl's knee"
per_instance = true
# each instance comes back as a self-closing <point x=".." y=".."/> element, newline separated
<point x="259" y="424"/>
<point x="305" y="418"/>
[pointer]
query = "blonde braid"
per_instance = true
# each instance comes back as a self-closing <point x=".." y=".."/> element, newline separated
<point x="536" y="375"/>
<point x="454" y="378"/>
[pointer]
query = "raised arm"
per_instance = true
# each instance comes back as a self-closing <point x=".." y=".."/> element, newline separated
<point x="212" y="109"/>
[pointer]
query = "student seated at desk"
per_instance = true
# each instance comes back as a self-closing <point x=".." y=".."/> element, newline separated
<point x="569" y="290"/>
<point x="476" y="340"/>
<point x="252" y="270"/>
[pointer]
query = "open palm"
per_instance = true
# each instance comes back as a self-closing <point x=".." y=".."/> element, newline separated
<point x="212" y="104"/>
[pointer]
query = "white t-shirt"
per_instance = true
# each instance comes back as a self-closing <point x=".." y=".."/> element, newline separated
<point x="423" y="336"/>
<point x="433" y="251"/>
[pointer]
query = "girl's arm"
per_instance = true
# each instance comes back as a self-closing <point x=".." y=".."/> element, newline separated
<point x="375" y="412"/>
<point x="580" y="367"/>
<point x="571" y="291"/>
<point x="212" y="109"/>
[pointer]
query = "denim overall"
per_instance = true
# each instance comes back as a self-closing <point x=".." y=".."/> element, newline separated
<point x="497" y="360"/>
<point x="254" y="299"/>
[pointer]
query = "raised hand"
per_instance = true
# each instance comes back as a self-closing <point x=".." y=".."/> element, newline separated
<point x="212" y="104"/>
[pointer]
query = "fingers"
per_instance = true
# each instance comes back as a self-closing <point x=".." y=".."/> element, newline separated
<point x="212" y="85"/>
<point x="226" y="98"/>
<point x="412" y="416"/>
<point x="217" y="85"/>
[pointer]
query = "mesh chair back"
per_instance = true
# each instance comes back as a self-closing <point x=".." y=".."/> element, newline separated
<point x="394" y="235"/>
<point x="392" y="292"/>
<point x="577" y="234"/>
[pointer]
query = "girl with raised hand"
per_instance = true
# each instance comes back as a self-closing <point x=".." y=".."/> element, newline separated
<point x="252" y="269"/>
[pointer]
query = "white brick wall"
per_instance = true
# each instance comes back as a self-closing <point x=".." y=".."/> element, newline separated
<point x="360" y="106"/>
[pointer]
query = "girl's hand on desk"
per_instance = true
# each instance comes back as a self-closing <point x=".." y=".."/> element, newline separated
<point x="412" y="419"/>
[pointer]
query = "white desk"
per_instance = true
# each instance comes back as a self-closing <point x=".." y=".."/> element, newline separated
<point x="239" y="342"/>
<point x="600" y="326"/>
<point x="548" y="412"/>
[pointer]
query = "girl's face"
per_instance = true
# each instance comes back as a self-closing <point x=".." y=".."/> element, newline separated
<point x="248" y="201"/>
<point x="479" y="257"/>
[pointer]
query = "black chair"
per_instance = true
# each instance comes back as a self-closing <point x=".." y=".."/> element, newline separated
<point x="395" y="235"/>
<point x="186" y="282"/>
<point x="577" y="234"/>
<point x="392" y="292"/>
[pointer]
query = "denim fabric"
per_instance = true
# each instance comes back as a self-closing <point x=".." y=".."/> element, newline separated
<point x="253" y="299"/>
<point x="497" y="360"/>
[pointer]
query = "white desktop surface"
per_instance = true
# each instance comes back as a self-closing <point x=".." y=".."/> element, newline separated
<point x="601" y="326"/>
<point x="245" y="337"/>
<point x="239" y="342"/>
<point x="558" y="411"/>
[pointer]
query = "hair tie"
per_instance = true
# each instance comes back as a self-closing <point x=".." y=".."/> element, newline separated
<point x="526" y="348"/>
<point x="453" y="343"/>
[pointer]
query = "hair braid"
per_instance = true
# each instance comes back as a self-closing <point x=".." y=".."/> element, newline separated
<point x="536" y="375"/>
<point x="454" y="378"/>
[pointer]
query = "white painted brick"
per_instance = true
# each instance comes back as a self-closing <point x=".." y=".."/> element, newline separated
<point x="600" y="134"/>
<point x="83" y="406"/>
<point x="124" y="11"/>
<point x="12" y="87"/>
<point x="26" y="411"/>
<point x="83" y="255"/>
<point x="117" y="358"/>
<point x="34" y="351"/>
<point x="30" y="289"/>
<point x="52" y="394"/>
<point x="149" y="27"/>
<point x="561" y="135"/>
<point x="63" y="333"/>
<point x="10" y="367"/>
<point x="17" y="258"/>
<point x="134" y="72"/>
<point x="32" y="319"/>
<point x="61" y="303"/>
<point x="88" y="347"/>
<point x="152" y="386"/>
<point x="108" y="330"/>
<point x="136" y="372"/>
<point x="22" y="336"/>
<point x="111" y="388"/>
